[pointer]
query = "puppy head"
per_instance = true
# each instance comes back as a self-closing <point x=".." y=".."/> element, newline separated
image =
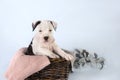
<point x="35" y="24"/>
<point x="44" y="30"/>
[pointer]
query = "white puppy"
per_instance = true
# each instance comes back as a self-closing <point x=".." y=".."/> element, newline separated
<point x="43" y="42"/>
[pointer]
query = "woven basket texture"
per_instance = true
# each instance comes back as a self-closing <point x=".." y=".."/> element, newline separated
<point x="59" y="69"/>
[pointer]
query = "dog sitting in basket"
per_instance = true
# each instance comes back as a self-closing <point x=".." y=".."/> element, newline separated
<point x="43" y="43"/>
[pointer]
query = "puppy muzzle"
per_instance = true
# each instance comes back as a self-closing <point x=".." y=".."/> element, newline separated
<point x="46" y="38"/>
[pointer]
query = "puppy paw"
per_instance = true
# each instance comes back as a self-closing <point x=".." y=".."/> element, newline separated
<point x="53" y="56"/>
<point x="68" y="57"/>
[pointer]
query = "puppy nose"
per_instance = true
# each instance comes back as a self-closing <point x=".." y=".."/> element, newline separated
<point x="46" y="38"/>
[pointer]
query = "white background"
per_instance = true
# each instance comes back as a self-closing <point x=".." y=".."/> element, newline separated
<point x="90" y="24"/>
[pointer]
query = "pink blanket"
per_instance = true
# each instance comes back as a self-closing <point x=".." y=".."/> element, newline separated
<point x="22" y="66"/>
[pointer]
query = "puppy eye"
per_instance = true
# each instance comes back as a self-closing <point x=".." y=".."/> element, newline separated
<point x="40" y="30"/>
<point x="50" y="30"/>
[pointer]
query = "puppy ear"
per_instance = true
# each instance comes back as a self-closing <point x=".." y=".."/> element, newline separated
<point x="54" y="24"/>
<point x="34" y="25"/>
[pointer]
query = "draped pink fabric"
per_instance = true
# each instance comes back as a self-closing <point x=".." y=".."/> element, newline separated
<point x="22" y="66"/>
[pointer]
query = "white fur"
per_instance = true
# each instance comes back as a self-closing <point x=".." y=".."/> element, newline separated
<point x="42" y="47"/>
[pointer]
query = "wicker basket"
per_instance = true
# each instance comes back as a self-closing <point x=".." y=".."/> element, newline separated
<point x="58" y="70"/>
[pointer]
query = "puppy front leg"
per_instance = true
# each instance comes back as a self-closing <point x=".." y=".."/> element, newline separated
<point x="47" y="52"/>
<point x="62" y="53"/>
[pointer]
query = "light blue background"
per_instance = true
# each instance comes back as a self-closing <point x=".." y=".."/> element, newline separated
<point x="90" y="24"/>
